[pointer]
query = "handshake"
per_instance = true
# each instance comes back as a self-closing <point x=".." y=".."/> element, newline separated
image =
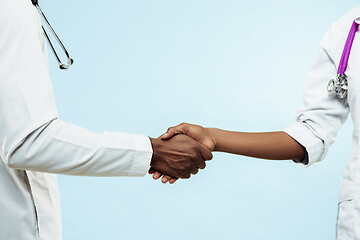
<point x="183" y="149"/>
<point x="180" y="152"/>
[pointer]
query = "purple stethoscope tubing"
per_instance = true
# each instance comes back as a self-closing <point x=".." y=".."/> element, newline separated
<point x="347" y="49"/>
<point x="339" y="85"/>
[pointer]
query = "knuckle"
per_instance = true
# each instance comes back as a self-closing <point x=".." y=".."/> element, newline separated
<point x="196" y="157"/>
<point x="184" y="173"/>
<point x="185" y="176"/>
<point x="183" y="167"/>
<point x="181" y="175"/>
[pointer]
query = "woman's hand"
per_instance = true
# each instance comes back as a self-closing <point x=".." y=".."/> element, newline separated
<point x="198" y="133"/>
<point x="156" y="175"/>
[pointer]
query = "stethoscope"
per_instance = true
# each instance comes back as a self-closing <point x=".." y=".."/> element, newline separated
<point x="340" y="84"/>
<point x="69" y="59"/>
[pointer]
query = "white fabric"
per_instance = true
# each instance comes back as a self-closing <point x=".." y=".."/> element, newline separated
<point x="35" y="144"/>
<point x="319" y="121"/>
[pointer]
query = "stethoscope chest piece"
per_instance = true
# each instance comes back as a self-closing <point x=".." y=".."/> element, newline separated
<point x="339" y="86"/>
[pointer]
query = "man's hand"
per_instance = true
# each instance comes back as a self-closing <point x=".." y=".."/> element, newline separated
<point x="179" y="156"/>
<point x="198" y="133"/>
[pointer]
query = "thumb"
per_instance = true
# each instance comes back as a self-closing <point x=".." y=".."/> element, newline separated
<point x="173" y="131"/>
<point x="167" y="135"/>
<point x="205" y="153"/>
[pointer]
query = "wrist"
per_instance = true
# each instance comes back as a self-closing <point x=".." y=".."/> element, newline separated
<point x="155" y="143"/>
<point x="212" y="134"/>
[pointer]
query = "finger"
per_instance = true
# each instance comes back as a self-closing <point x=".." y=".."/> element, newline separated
<point x="194" y="170"/>
<point x="167" y="135"/>
<point x="165" y="179"/>
<point x="157" y="175"/>
<point x="173" y="180"/>
<point x="205" y="153"/>
<point x="201" y="164"/>
<point x="181" y="128"/>
<point x="185" y="176"/>
<point x="151" y="170"/>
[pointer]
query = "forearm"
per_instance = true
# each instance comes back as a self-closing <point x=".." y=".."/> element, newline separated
<point x="63" y="148"/>
<point x="267" y="145"/>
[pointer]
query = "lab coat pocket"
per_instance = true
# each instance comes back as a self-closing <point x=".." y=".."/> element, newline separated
<point x="46" y="199"/>
<point x="345" y="219"/>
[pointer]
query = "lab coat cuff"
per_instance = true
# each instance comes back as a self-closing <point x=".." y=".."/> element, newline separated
<point x="313" y="145"/>
<point x="143" y="156"/>
<point x="138" y="147"/>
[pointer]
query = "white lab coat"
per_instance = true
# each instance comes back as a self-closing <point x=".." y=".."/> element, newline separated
<point x="35" y="144"/>
<point x="319" y="121"/>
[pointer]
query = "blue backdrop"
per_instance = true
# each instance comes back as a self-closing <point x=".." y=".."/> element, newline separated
<point x="142" y="66"/>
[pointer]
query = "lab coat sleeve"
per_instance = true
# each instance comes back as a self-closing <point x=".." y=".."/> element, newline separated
<point x="31" y="135"/>
<point x="318" y="122"/>
<point x="63" y="148"/>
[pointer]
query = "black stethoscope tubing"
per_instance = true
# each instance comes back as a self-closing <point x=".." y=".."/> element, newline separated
<point x="70" y="60"/>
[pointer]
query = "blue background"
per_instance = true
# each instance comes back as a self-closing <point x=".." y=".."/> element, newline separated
<point x="142" y="66"/>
